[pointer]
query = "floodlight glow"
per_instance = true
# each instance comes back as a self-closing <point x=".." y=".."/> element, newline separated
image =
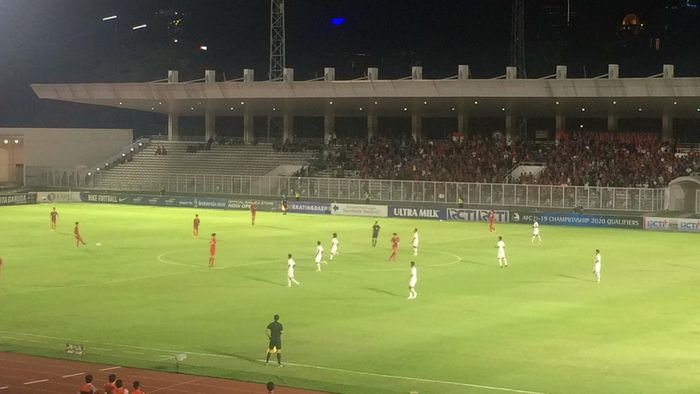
<point x="614" y="102"/>
<point x="476" y="103"/>
<point x="640" y="110"/>
<point x="231" y="108"/>
<point x="139" y="27"/>
<point x="503" y="109"/>
<point x="131" y="149"/>
<point x="337" y="20"/>
<point x="6" y="141"/>
<point x="140" y="144"/>
<point x="556" y="102"/>
<point x="453" y="109"/>
<point x="89" y="173"/>
<point x="203" y="47"/>
<point x="109" y="18"/>
<point x="583" y="110"/>
<point x="242" y="102"/>
<point x="675" y="103"/>
<point x="123" y="154"/>
<point x="16" y="141"/>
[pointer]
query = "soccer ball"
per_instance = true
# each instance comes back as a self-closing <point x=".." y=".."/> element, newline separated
<point x="98" y="244"/>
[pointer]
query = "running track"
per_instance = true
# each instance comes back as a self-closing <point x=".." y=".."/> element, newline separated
<point x="24" y="374"/>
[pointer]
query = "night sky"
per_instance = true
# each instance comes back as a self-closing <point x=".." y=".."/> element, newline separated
<point x="57" y="41"/>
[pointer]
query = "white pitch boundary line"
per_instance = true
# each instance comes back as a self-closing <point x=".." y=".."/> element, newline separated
<point x="363" y="373"/>
<point x="35" y="382"/>
<point x="72" y="375"/>
<point x="4" y="387"/>
<point x="108" y="369"/>
<point x="162" y="259"/>
<point x="446" y="382"/>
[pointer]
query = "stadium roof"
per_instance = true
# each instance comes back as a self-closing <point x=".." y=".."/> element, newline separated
<point x="601" y="96"/>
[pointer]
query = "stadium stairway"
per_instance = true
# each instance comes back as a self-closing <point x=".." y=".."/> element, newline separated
<point x="224" y="160"/>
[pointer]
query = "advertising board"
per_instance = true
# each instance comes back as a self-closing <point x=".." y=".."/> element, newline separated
<point x="48" y="197"/>
<point x="577" y="219"/>
<point x="477" y="215"/>
<point x="17" y="199"/>
<point x="672" y="224"/>
<point x="359" y="210"/>
<point x="309" y="207"/>
<point x="419" y="213"/>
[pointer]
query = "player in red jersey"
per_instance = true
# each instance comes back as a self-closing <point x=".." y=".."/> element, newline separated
<point x="137" y="388"/>
<point x="394" y="247"/>
<point x="212" y="249"/>
<point x="0" y="266"/>
<point x="492" y="221"/>
<point x="76" y="234"/>
<point x="253" y="209"/>
<point x="54" y="218"/>
<point x="111" y="387"/>
<point x="88" y="387"/>
<point x="195" y="226"/>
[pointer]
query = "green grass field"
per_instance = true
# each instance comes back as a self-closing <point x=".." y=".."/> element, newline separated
<point x="542" y="325"/>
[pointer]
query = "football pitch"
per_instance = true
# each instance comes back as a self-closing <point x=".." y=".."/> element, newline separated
<point x="542" y="325"/>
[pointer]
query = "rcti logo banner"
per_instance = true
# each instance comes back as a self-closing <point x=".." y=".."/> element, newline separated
<point x="672" y="224"/>
<point x="420" y="213"/>
<point x="477" y="215"/>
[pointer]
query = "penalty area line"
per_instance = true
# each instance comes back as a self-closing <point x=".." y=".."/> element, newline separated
<point x="445" y="382"/>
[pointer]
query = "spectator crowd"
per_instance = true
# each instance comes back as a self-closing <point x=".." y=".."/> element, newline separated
<point x="578" y="159"/>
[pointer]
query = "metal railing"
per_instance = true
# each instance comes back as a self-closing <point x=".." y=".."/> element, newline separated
<point x="483" y="194"/>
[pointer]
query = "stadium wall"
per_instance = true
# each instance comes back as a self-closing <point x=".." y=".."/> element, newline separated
<point x="68" y="148"/>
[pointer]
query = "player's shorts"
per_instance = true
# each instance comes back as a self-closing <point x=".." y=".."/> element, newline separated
<point x="212" y="252"/>
<point x="275" y="343"/>
<point x="290" y="274"/>
<point x="412" y="282"/>
<point x="334" y="250"/>
<point x="501" y="255"/>
<point x="535" y="233"/>
<point x="415" y="245"/>
<point x="318" y="259"/>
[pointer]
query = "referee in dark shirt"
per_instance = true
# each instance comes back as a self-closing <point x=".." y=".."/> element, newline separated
<point x="274" y="333"/>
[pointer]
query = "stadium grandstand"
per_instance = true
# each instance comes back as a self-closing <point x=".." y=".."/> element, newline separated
<point x="570" y="135"/>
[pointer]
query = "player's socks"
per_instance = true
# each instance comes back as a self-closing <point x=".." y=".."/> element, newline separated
<point x="279" y="360"/>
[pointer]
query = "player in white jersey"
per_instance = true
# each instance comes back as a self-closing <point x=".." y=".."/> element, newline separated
<point x="415" y="242"/>
<point x="536" y="231"/>
<point x="596" y="265"/>
<point x="334" y="245"/>
<point x="502" y="261"/>
<point x="290" y="271"/>
<point x="412" y="294"/>
<point x="319" y="256"/>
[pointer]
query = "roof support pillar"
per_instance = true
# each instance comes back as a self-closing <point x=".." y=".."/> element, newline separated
<point x="666" y="127"/>
<point x="287" y="127"/>
<point x="510" y="125"/>
<point x="173" y="127"/>
<point x="559" y="123"/>
<point x="248" y="132"/>
<point x="416" y="126"/>
<point x="372" y="125"/>
<point x="463" y="123"/>
<point x="328" y="126"/>
<point x="209" y="125"/>
<point x="613" y="122"/>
